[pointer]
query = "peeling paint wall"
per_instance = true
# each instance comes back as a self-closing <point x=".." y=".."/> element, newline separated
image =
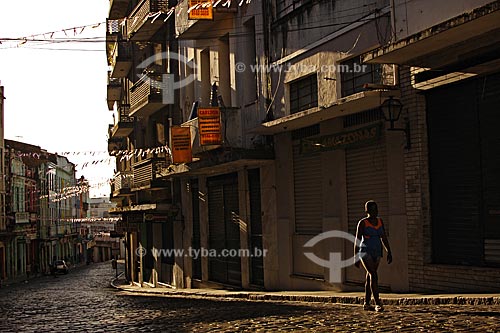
<point x="417" y="15"/>
<point x="296" y="23"/>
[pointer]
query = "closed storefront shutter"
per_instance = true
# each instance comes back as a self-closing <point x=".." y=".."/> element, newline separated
<point x="196" y="241"/>
<point x="455" y="174"/>
<point x="224" y="229"/>
<point x="256" y="262"/>
<point x="488" y="100"/>
<point x="308" y="180"/>
<point x="216" y="232"/>
<point x="366" y="176"/>
<point x="308" y="202"/>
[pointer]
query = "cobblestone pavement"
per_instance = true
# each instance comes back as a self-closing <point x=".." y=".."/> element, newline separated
<point x="84" y="301"/>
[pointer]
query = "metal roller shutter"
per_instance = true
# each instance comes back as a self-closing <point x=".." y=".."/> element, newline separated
<point x="217" y="267"/>
<point x="455" y="174"/>
<point x="196" y="241"/>
<point x="308" y="184"/>
<point x="232" y="224"/>
<point x="224" y="229"/>
<point x="256" y="263"/>
<point x="488" y="99"/>
<point x="366" y="176"/>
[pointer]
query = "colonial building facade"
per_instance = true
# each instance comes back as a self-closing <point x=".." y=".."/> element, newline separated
<point x="40" y="210"/>
<point x="323" y="105"/>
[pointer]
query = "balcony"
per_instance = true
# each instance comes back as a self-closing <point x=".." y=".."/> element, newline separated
<point x="114" y="92"/>
<point x="113" y="35"/>
<point x="122" y="183"/>
<point x="146" y="95"/>
<point x="239" y="147"/>
<point x="221" y="24"/>
<point x="147" y="174"/>
<point x="120" y="59"/>
<point x="116" y="143"/>
<point x="118" y="9"/>
<point x="124" y="125"/>
<point x="142" y="28"/>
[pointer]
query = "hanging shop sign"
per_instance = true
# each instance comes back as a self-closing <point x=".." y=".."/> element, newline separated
<point x="341" y="140"/>
<point x="209" y="126"/>
<point x="181" y="144"/>
<point x="200" y="10"/>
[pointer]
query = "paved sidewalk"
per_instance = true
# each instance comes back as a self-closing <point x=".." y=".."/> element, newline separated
<point x="313" y="296"/>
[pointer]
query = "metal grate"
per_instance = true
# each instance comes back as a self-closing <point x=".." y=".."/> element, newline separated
<point x="305" y="132"/>
<point x="123" y="180"/>
<point x="361" y="118"/>
<point x="492" y="251"/>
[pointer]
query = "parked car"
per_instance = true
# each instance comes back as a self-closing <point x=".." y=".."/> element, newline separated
<point x="60" y="266"/>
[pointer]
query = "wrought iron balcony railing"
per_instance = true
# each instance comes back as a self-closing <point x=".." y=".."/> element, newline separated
<point x="142" y="27"/>
<point x="124" y="125"/>
<point x="147" y="174"/>
<point x="146" y="95"/>
<point x="220" y="25"/>
<point x="114" y="90"/>
<point x="122" y="183"/>
<point x="115" y="143"/>
<point x="120" y="59"/>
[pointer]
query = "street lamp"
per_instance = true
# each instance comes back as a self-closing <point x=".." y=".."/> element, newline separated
<point x="391" y="110"/>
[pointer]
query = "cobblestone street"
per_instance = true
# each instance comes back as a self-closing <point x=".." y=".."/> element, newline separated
<point x="84" y="301"/>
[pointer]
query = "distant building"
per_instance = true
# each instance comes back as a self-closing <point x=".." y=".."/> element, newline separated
<point x="3" y="225"/>
<point x="41" y="210"/>
<point x="99" y="207"/>
<point x="98" y="227"/>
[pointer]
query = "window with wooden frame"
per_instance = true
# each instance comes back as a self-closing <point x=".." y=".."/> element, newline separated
<point x="354" y="75"/>
<point x="304" y="94"/>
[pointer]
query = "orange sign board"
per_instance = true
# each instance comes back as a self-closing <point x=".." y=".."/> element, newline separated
<point x="209" y="126"/>
<point x="181" y="144"/>
<point x="200" y="10"/>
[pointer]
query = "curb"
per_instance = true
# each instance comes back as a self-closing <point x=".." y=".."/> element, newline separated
<point x="425" y="300"/>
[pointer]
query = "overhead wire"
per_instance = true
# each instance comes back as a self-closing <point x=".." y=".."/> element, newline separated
<point x="101" y="39"/>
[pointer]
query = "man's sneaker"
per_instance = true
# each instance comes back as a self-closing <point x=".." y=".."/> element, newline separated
<point x="368" y="307"/>
<point x="379" y="308"/>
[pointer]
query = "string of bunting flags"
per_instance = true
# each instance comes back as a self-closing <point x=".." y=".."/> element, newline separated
<point x="121" y="154"/>
<point x="49" y="36"/>
<point x="113" y="25"/>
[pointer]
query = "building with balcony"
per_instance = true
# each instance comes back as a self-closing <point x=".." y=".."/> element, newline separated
<point x="40" y="209"/>
<point x="281" y="108"/>
<point x="222" y="188"/>
<point x="22" y="207"/>
<point x="138" y="43"/>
